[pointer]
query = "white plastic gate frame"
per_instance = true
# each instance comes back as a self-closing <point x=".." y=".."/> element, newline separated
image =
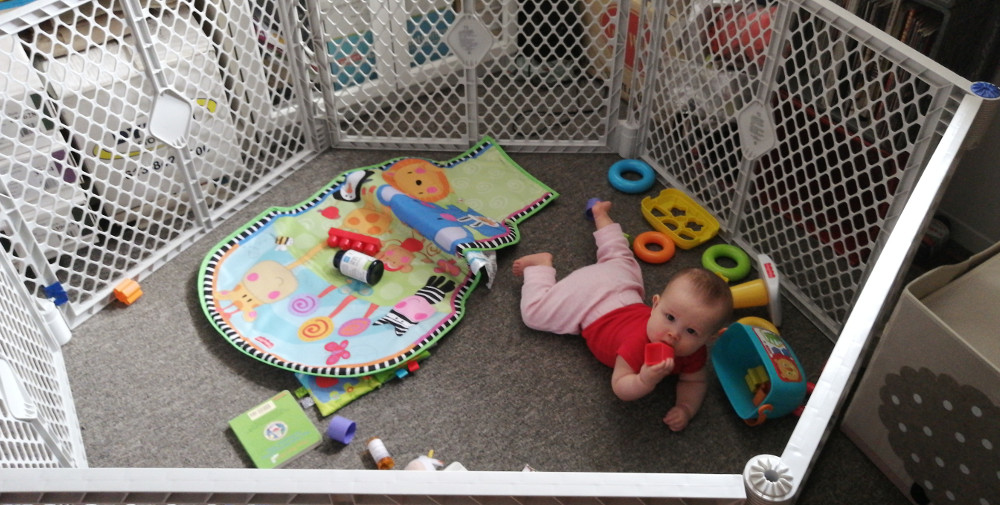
<point x="767" y="479"/>
<point x="812" y="138"/>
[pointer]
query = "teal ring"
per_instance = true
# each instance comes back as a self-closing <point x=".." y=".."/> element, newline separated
<point x="646" y="176"/>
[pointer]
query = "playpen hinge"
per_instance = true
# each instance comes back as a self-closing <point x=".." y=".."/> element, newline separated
<point x="59" y="332"/>
<point x="625" y="139"/>
<point x="989" y="93"/>
<point x="171" y="112"/>
<point x="768" y="480"/>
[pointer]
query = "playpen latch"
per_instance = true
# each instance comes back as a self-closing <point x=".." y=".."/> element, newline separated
<point x="756" y="130"/>
<point x="469" y="39"/>
<point x="170" y="120"/>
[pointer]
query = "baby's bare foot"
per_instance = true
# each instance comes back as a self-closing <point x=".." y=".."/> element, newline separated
<point x="531" y="260"/>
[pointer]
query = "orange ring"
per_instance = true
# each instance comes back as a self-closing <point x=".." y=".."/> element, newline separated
<point x="642" y="251"/>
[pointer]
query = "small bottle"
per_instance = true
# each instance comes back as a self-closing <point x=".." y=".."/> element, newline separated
<point x="383" y="460"/>
<point x="360" y="266"/>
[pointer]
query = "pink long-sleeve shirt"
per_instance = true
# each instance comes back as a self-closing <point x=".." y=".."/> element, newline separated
<point x="580" y="298"/>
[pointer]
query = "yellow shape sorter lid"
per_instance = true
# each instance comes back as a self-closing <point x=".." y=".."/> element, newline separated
<point x="676" y="214"/>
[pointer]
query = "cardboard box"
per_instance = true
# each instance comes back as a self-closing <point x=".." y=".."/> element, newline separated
<point x="49" y="199"/>
<point x="25" y="118"/>
<point x="107" y="100"/>
<point x="85" y="26"/>
<point x="34" y="168"/>
<point x="927" y="410"/>
<point x="598" y="17"/>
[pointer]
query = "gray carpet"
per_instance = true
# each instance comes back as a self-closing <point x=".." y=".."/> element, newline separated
<point x="155" y="385"/>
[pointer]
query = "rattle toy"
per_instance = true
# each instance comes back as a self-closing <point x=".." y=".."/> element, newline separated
<point x="57" y="293"/>
<point x="642" y="251"/>
<point x="354" y="241"/>
<point x="762" y="291"/>
<point x="616" y="176"/>
<point x="710" y="260"/>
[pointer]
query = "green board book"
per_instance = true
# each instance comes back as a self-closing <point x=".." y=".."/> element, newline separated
<point x="276" y="431"/>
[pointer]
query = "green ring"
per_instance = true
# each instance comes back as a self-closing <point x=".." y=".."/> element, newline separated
<point x="709" y="260"/>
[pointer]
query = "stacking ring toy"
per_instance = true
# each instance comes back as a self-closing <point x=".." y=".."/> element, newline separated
<point x="619" y="182"/>
<point x="759" y="322"/>
<point x="710" y="261"/>
<point x="642" y="251"/>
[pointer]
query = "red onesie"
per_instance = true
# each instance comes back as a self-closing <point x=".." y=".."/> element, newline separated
<point x="622" y="332"/>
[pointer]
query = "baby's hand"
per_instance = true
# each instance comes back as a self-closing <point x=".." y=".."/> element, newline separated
<point x="677" y="418"/>
<point x="653" y="374"/>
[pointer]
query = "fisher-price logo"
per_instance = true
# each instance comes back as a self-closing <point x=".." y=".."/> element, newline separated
<point x="350" y="59"/>
<point x="769" y="270"/>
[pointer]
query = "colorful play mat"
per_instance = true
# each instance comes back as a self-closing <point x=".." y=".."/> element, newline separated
<point x="272" y="291"/>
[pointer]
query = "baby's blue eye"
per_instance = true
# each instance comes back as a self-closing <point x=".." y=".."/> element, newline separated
<point x="670" y="317"/>
<point x="692" y="331"/>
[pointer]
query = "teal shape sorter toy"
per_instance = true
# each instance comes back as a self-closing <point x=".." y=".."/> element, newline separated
<point x="759" y="372"/>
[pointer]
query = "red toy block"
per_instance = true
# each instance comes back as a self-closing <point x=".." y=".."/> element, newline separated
<point x="354" y="241"/>
<point x="658" y="352"/>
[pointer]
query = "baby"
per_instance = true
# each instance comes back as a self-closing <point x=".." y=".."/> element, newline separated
<point x="604" y="302"/>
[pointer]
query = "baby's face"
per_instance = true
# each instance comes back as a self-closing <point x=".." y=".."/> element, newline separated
<point x="681" y="319"/>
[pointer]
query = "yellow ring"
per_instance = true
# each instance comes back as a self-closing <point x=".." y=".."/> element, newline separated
<point x="759" y="322"/>
<point x="641" y="247"/>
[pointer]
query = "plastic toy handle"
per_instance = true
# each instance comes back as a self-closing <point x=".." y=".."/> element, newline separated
<point x="761" y="415"/>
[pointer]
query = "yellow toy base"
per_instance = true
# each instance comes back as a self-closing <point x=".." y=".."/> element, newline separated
<point x="680" y="218"/>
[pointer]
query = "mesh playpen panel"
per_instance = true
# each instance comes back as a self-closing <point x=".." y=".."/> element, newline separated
<point x="804" y="130"/>
<point x="844" y="132"/>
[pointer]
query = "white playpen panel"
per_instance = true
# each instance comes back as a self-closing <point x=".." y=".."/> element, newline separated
<point x="804" y="141"/>
<point x="441" y="74"/>
<point x="38" y="424"/>
<point x="811" y="136"/>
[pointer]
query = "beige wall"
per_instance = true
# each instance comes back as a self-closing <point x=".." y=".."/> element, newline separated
<point x="972" y="200"/>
